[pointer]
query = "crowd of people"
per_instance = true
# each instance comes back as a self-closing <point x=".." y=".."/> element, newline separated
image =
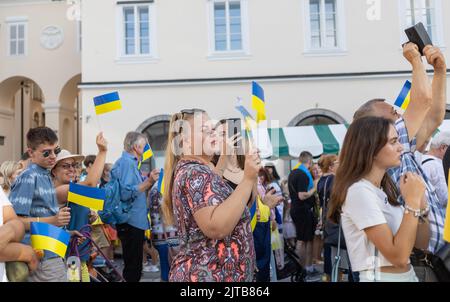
<point x="225" y="215"/>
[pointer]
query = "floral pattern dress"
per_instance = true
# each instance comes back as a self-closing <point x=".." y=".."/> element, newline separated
<point x="202" y="259"/>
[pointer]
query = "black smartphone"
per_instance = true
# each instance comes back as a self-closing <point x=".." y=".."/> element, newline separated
<point x="419" y="36"/>
<point x="235" y="127"/>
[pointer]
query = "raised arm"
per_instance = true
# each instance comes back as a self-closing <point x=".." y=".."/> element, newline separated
<point x="95" y="174"/>
<point x="217" y="222"/>
<point x="421" y="93"/>
<point x="436" y="114"/>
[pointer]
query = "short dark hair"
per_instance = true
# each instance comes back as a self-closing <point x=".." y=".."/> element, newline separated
<point x="40" y="135"/>
<point x="305" y="156"/>
<point x="366" y="109"/>
<point x="89" y="160"/>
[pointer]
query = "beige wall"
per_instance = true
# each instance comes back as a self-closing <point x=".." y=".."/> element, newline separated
<point x="53" y="71"/>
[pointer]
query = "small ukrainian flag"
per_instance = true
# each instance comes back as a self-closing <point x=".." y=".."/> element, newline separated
<point x="447" y="222"/>
<point x="405" y="96"/>
<point x="148" y="153"/>
<point x="48" y="237"/>
<point x="161" y="182"/>
<point x="88" y="197"/>
<point x="253" y="218"/>
<point x="248" y="118"/>
<point x="258" y="102"/>
<point x="107" y="103"/>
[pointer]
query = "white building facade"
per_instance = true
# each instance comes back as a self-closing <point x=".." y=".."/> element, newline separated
<point x="317" y="60"/>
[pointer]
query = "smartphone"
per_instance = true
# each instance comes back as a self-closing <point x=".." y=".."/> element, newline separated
<point x="419" y="36"/>
<point x="235" y="127"/>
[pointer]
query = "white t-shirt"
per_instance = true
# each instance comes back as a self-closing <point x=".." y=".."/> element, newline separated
<point x="3" y="203"/>
<point x="367" y="206"/>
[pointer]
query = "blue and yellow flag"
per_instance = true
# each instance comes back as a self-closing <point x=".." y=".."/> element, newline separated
<point x="405" y="96"/>
<point x="148" y="232"/>
<point x="88" y="197"/>
<point x="447" y="220"/>
<point x="148" y="153"/>
<point x="258" y="102"/>
<point x="107" y="103"/>
<point x="48" y="237"/>
<point x="253" y="218"/>
<point x="248" y="118"/>
<point x="161" y="182"/>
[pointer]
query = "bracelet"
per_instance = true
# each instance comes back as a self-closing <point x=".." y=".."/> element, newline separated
<point x="424" y="213"/>
<point x="408" y="210"/>
<point x="38" y="219"/>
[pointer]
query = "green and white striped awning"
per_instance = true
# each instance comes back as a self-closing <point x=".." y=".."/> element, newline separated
<point x="291" y="141"/>
<point x="288" y="143"/>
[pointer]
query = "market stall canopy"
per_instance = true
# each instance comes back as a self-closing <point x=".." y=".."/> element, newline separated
<point x="289" y="142"/>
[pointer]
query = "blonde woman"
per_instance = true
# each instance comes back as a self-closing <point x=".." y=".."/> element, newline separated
<point x="9" y="170"/>
<point x="216" y="241"/>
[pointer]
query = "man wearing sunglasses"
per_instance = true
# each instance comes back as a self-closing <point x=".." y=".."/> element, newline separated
<point x="33" y="197"/>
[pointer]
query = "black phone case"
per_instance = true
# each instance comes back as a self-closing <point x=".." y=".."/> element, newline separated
<point x="419" y="36"/>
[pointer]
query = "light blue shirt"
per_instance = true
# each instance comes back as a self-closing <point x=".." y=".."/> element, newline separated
<point x="33" y="195"/>
<point x="126" y="171"/>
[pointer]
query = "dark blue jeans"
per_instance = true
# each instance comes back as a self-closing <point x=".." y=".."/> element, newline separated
<point x="163" y="251"/>
<point x="263" y="249"/>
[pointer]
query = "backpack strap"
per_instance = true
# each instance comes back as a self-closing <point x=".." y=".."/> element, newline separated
<point x="427" y="161"/>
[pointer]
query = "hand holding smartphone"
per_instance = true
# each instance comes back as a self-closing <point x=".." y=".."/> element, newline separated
<point x="419" y="36"/>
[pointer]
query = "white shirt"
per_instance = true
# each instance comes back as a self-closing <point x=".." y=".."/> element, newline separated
<point x="434" y="170"/>
<point x="367" y="206"/>
<point x="3" y="203"/>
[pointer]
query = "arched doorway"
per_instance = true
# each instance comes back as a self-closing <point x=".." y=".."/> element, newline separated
<point x="21" y="106"/>
<point x="320" y="118"/>
<point x="70" y="114"/>
<point x="316" y="117"/>
<point x="157" y="131"/>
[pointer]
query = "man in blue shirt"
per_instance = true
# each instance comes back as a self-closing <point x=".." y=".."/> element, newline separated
<point x="33" y="197"/>
<point x="133" y="189"/>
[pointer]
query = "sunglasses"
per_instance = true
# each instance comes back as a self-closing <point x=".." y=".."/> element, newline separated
<point x="68" y="166"/>
<point x="56" y="151"/>
<point x="192" y="111"/>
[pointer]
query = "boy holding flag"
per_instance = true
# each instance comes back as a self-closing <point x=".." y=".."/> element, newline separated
<point x="33" y="197"/>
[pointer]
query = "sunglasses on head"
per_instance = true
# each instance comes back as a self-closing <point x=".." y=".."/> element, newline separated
<point x="192" y="111"/>
<point x="56" y="151"/>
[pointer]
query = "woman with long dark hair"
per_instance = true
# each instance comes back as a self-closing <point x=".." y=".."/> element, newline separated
<point x="379" y="232"/>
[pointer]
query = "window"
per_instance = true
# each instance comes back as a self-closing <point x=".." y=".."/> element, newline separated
<point x="228" y="26"/>
<point x="136" y="30"/>
<point x="425" y="11"/>
<point x="324" y="25"/>
<point x="17" y="38"/>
